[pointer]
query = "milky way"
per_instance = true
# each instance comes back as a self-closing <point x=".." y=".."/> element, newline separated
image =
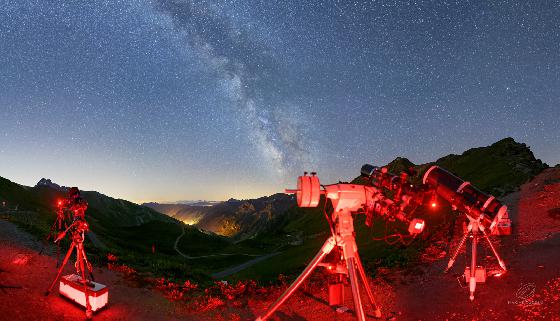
<point x="248" y="73"/>
<point x="166" y="100"/>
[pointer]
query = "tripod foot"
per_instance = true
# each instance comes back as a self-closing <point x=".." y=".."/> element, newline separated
<point x="377" y="313"/>
<point x="89" y="314"/>
<point x="503" y="265"/>
<point x="449" y="265"/>
<point x="472" y="287"/>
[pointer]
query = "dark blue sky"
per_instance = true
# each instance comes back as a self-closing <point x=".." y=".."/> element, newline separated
<point x="166" y="100"/>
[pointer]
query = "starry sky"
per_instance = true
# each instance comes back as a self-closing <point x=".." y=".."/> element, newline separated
<point x="168" y="100"/>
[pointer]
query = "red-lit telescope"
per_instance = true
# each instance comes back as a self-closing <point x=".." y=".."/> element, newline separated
<point x="465" y="196"/>
<point x="347" y="200"/>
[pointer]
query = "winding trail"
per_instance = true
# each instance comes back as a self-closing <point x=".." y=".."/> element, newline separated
<point x="231" y="270"/>
<point x="243" y="266"/>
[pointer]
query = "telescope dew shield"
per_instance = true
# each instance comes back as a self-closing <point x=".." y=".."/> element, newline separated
<point x="454" y="189"/>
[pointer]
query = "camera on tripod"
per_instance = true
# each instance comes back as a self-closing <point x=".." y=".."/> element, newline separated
<point x="79" y="287"/>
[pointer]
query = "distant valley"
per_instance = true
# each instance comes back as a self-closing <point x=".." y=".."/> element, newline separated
<point x="239" y="219"/>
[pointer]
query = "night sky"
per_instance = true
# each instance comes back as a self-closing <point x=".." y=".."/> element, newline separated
<point x="174" y="100"/>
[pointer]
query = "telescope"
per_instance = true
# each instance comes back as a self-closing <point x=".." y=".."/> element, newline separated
<point x="347" y="201"/>
<point x="483" y="212"/>
<point x="388" y="196"/>
<point x="464" y="197"/>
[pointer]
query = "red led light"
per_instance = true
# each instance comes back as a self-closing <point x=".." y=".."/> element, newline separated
<point x="416" y="226"/>
<point x="434" y="204"/>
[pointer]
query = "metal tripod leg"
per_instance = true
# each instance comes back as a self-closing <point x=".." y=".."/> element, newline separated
<point x="452" y="259"/>
<point x="502" y="264"/>
<point x="472" y="279"/>
<point x="82" y="264"/>
<point x="61" y="267"/>
<point x="366" y="285"/>
<point x="88" y="265"/>
<point x="326" y="249"/>
<point x="355" y="286"/>
<point x="52" y="236"/>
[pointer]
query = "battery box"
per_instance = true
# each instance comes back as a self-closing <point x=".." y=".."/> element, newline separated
<point x="336" y="293"/>
<point x="72" y="288"/>
<point x="480" y="274"/>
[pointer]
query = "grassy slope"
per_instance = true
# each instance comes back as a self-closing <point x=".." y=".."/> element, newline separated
<point x="498" y="169"/>
<point x="115" y="224"/>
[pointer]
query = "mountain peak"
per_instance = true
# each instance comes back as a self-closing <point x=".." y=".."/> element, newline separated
<point x="499" y="168"/>
<point x="399" y="164"/>
<point x="46" y="182"/>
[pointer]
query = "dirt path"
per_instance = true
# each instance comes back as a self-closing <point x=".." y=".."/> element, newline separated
<point x="243" y="266"/>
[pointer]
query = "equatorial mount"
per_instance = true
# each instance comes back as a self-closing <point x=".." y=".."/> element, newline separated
<point x="347" y="201"/>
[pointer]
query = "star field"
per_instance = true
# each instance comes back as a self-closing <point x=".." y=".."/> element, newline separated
<point x="174" y="99"/>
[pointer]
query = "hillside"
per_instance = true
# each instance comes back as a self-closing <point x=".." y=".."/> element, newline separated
<point x="498" y="169"/>
<point x="132" y="232"/>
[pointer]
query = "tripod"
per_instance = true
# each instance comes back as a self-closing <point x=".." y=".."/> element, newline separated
<point x="78" y="229"/>
<point x="56" y="228"/>
<point x="343" y="237"/>
<point x="473" y="228"/>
